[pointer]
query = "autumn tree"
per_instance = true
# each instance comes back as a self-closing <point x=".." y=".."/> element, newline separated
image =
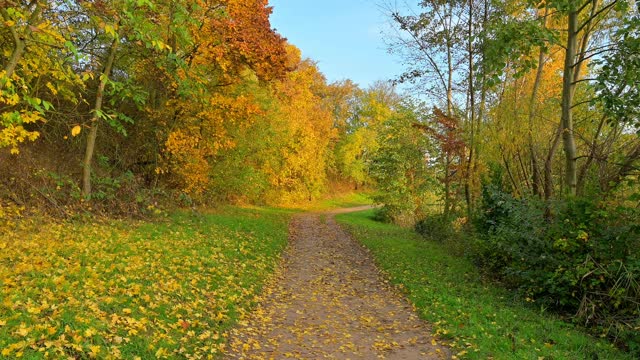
<point x="35" y="68"/>
<point x="359" y="142"/>
<point x="443" y="44"/>
<point x="113" y="32"/>
<point x="305" y="123"/>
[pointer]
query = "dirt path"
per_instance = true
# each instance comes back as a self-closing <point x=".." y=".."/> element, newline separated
<point x="331" y="303"/>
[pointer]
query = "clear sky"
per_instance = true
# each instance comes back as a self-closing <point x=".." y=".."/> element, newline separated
<point x="343" y="36"/>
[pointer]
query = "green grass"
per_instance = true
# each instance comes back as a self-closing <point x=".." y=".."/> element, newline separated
<point x="343" y="200"/>
<point x="120" y="289"/>
<point x="479" y="320"/>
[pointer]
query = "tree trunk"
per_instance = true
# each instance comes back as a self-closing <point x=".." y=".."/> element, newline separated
<point x="574" y="61"/>
<point x="483" y="100"/>
<point x="592" y="153"/>
<point x="16" y="55"/>
<point x="20" y="42"/>
<point x="548" y="165"/>
<point x="535" y="168"/>
<point x="448" y="178"/>
<point x="95" y="120"/>
<point x="567" y="102"/>
<point x="514" y="183"/>
<point x="472" y="115"/>
<point x="447" y="186"/>
<point x="523" y="168"/>
<point x="625" y="168"/>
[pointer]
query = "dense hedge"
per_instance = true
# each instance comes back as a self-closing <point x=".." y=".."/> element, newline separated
<point x="579" y="257"/>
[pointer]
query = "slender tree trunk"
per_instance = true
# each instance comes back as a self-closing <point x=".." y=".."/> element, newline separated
<point x="95" y="120"/>
<point x="525" y="174"/>
<point x="548" y="165"/>
<point x="568" y="138"/>
<point x="447" y="186"/>
<point x="535" y="168"/>
<point x="592" y="153"/>
<point x="449" y="68"/>
<point x="448" y="178"/>
<point x="574" y="61"/>
<point x="16" y="55"/>
<point x="483" y="99"/>
<point x="472" y="115"/>
<point x="514" y="183"/>
<point x="20" y="42"/>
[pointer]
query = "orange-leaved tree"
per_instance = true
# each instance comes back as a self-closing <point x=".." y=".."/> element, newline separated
<point x="227" y="43"/>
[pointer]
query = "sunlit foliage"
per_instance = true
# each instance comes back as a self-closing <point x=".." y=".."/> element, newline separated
<point x="123" y="290"/>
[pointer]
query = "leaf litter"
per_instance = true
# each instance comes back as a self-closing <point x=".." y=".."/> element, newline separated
<point x="329" y="301"/>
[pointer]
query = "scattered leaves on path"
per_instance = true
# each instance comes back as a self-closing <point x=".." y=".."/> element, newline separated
<point x="330" y="302"/>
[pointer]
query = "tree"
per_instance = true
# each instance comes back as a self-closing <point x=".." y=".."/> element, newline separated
<point x="358" y="143"/>
<point x="401" y="166"/>
<point x="619" y="75"/>
<point x="305" y="127"/>
<point x="432" y="43"/>
<point x="33" y="65"/>
<point x="583" y="19"/>
<point x="108" y="24"/>
<point x="176" y="64"/>
<point x="445" y="131"/>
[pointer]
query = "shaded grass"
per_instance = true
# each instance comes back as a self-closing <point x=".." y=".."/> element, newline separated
<point x="121" y="289"/>
<point x="478" y="319"/>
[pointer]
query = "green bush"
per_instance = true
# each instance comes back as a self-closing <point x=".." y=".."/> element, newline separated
<point x="437" y="227"/>
<point x="584" y="261"/>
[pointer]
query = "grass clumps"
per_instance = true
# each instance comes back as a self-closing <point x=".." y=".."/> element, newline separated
<point x="120" y="289"/>
<point x="479" y="320"/>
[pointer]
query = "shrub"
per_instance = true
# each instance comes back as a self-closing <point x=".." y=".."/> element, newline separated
<point x="583" y="262"/>
<point x="437" y="227"/>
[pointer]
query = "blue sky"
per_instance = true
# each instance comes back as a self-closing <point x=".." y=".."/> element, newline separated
<point x="342" y="36"/>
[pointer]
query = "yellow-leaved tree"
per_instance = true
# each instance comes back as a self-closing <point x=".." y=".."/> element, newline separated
<point x="31" y="69"/>
<point x="306" y="124"/>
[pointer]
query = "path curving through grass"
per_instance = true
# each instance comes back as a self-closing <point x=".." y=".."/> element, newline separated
<point x="330" y="302"/>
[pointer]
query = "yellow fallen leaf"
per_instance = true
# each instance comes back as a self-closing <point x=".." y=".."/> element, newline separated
<point x="161" y="352"/>
<point x="76" y="130"/>
<point x="23" y="331"/>
<point x="95" y="350"/>
<point x="33" y="310"/>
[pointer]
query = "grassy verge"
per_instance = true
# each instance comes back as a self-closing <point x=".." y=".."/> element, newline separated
<point x="165" y="289"/>
<point x="479" y="320"/>
<point x="343" y="200"/>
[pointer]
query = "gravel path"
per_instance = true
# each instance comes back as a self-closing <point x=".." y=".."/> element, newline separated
<point x="330" y="302"/>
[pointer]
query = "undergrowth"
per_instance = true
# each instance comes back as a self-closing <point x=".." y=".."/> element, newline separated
<point x="479" y="320"/>
<point x="579" y="257"/>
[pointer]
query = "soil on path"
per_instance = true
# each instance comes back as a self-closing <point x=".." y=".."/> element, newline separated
<point x="330" y="302"/>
